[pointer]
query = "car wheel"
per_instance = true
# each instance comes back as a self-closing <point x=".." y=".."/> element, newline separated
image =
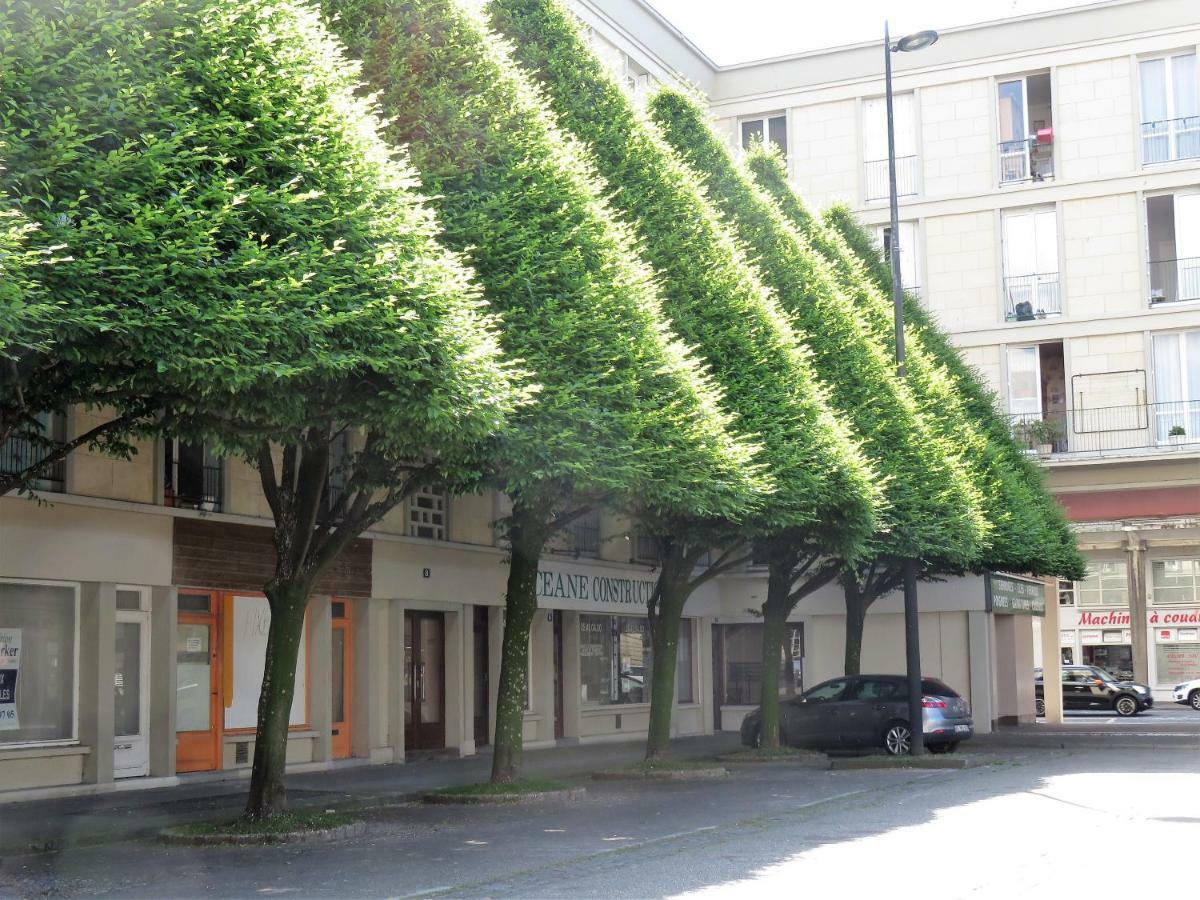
<point x="897" y="740"/>
<point x="1194" y="699"/>
<point x="1126" y="706"/>
<point x="1041" y="708"/>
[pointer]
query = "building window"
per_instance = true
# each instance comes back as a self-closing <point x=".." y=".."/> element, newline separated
<point x="739" y="651"/>
<point x="1066" y="593"/>
<point x="1037" y="397"/>
<point x="1170" y="108"/>
<point x="875" y="147"/>
<point x="909" y="279"/>
<point x="427" y="515"/>
<point x="1106" y="584"/>
<point x="1177" y="387"/>
<point x="21" y="451"/>
<point x="765" y="128"/>
<point x="1175" y="582"/>
<point x="1026" y="129"/>
<point x="583" y="534"/>
<point x="645" y="551"/>
<point x="38" y="653"/>
<point x="616" y="665"/>
<point x="1177" y="661"/>
<point x="1173" y="246"/>
<point x="1031" y="289"/>
<point x="340" y="461"/>
<point x="192" y="476"/>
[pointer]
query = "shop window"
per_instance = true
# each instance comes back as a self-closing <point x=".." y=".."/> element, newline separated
<point x="249" y="620"/>
<point x="1176" y="662"/>
<point x="1107" y="584"/>
<point x="427" y="515"/>
<point x="740" y="650"/>
<point x="616" y="665"/>
<point x="38" y="636"/>
<point x="1175" y="582"/>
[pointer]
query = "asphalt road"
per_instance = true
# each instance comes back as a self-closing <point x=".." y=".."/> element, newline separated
<point x="1034" y="823"/>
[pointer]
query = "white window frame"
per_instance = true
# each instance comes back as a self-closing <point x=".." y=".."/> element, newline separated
<point x="1094" y="569"/>
<point x="907" y="146"/>
<point x="764" y="122"/>
<point x="1168" y="60"/>
<point x="73" y="740"/>
<point x="1189" y="405"/>
<point x="1046" y="280"/>
<point x="1194" y="601"/>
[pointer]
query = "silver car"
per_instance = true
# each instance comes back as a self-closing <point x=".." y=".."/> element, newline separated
<point x="865" y="711"/>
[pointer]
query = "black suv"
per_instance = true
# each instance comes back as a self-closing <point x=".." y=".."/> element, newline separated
<point x="1090" y="687"/>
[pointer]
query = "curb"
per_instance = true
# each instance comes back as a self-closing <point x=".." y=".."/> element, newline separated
<point x="711" y="773"/>
<point x="817" y="759"/>
<point x="576" y="793"/>
<point x="901" y="762"/>
<point x="175" y="837"/>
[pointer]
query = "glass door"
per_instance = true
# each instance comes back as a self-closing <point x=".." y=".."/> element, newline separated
<point x="342" y="666"/>
<point x="131" y="695"/>
<point x="424" y="696"/>
<point x="197" y="685"/>
<point x="1014" y="132"/>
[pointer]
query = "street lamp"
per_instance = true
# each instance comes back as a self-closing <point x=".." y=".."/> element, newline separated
<point x="912" y="637"/>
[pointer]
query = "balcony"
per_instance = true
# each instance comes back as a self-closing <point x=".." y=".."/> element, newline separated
<point x="1029" y="159"/>
<point x="1110" y="431"/>
<point x="875" y="178"/>
<point x="18" y="453"/>
<point x="1168" y="140"/>
<point x="1174" y="280"/>
<point x="1029" y="297"/>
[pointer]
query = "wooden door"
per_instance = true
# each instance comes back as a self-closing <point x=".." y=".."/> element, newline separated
<point x="425" y="667"/>
<point x="198" y="704"/>
<point x="342" y="670"/>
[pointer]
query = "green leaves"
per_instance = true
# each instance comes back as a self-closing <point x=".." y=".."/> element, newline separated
<point x="932" y="504"/>
<point x="715" y="301"/>
<point x="623" y="409"/>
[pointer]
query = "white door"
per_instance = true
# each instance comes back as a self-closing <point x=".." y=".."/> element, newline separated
<point x="131" y="695"/>
<point x="1187" y="245"/>
<point x="1031" y="262"/>
<point x="1024" y="384"/>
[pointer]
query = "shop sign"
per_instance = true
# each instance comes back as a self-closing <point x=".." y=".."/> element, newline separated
<point x="10" y="664"/>
<point x="592" y="590"/>
<point x="1089" y="637"/>
<point x="1166" y="634"/>
<point x="1103" y="620"/>
<point x="1173" y="617"/>
<point x="1015" y="596"/>
<point x="1066" y="638"/>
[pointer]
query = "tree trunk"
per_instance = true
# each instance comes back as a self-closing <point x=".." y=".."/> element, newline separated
<point x="527" y="535"/>
<point x="856" y="616"/>
<point x="664" y="640"/>
<point x="267" y="792"/>
<point x="775" y="612"/>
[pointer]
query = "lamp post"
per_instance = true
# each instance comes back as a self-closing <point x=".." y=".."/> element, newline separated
<point x="912" y="636"/>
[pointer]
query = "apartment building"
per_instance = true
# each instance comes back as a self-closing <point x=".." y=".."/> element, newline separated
<point x="1048" y="168"/>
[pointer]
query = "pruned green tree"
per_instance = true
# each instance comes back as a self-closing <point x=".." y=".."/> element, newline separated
<point x="252" y="259"/>
<point x="1027" y="531"/>
<point x="825" y="499"/>
<point x="932" y="505"/>
<point x="623" y="411"/>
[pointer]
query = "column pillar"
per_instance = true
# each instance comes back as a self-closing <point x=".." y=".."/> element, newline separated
<point x="982" y="670"/>
<point x="457" y="737"/>
<point x="703" y="693"/>
<point x="1135" y="556"/>
<point x="97" y="651"/>
<point x="572" y="690"/>
<point x="368" y="737"/>
<point x="393" y="670"/>
<point x="1052" y="656"/>
<point x="164" y="613"/>
<point x="320" y="676"/>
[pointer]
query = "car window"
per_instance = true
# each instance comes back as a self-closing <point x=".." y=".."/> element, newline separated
<point x="937" y="688"/>
<point x="830" y="690"/>
<point x="877" y="689"/>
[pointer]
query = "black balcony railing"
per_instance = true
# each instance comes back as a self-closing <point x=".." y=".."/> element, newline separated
<point x="1109" y="430"/>
<point x="1028" y="297"/>
<point x="875" y="174"/>
<point x="1170" y="139"/>
<point x="1172" y="280"/>
<point x="194" y="487"/>
<point x="645" y="550"/>
<point x="1028" y="159"/>
<point x="18" y="454"/>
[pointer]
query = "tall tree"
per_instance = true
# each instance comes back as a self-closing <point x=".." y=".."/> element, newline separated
<point x="272" y="277"/>
<point x="825" y="500"/>
<point x="933" y="506"/>
<point x="623" y="410"/>
<point x="1027" y="530"/>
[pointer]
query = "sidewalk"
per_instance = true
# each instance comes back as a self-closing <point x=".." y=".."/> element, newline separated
<point x="125" y="815"/>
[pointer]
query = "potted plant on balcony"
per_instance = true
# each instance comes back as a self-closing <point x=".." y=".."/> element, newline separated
<point x="1177" y="434"/>
<point x="1040" y="435"/>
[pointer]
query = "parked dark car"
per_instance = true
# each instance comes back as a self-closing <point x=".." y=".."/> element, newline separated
<point x="865" y="711"/>
<point x="1091" y="687"/>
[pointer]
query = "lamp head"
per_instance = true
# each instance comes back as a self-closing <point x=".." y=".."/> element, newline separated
<point x="918" y="40"/>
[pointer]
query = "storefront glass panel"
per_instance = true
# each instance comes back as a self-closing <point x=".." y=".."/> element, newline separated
<point x="741" y="663"/>
<point x="1177" y="662"/>
<point x="193" y="662"/>
<point x="616" y="665"/>
<point x="127" y="679"/>
<point x="37" y="672"/>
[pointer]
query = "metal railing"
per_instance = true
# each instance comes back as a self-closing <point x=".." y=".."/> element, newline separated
<point x="584" y="535"/>
<point x="875" y="174"/>
<point x="1172" y="280"/>
<point x="1028" y="297"/>
<point x="1027" y="159"/>
<point x="194" y="487"/>
<point x="1109" y="430"/>
<point x="18" y="453"/>
<point x="1170" y="139"/>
